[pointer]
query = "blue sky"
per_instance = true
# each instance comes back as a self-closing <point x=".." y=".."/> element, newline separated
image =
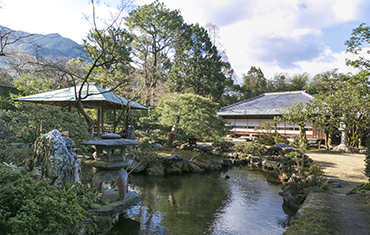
<point x="279" y="36"/>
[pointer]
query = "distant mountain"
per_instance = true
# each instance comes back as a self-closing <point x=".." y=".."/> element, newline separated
<point x="50" y="46"/>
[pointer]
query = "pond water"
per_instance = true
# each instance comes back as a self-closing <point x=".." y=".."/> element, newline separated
<point x="246" y="203"/>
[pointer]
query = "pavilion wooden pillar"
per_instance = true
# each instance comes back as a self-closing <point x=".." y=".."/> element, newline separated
<point x="99" y="120"/>
<point x="114" y="120"/>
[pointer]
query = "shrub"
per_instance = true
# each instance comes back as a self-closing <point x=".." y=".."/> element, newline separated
<point x="223" y="146"/>
<point x="367" y="158"/>
<point x="148" y="139"/>
<point x="25" y="123"/>
<point x="266" y="140"/>
<point x="280" y="139"/>
<point x="294" y="157"/>
<point x="274" y="151"/>
<point x="29" y="207"/>
<point x="315" y="170"/>
<point x="13" y="154"/>
<point x="255" y="149"/>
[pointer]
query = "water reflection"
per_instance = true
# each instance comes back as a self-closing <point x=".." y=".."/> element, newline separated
<point x="246" y="203"/>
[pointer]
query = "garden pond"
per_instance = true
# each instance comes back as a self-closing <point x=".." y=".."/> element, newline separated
<point x="239" y="200"/>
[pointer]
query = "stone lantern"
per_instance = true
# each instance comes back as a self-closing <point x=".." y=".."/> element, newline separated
<point x="110" y="161"/>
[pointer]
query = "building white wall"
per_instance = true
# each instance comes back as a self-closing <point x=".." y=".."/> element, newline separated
<point x="246" y="126"/>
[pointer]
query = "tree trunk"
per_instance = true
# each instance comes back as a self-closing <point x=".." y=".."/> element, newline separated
<point x="330" y="139"/>
<point x="173" y="134"/>
<point x="302" y="137"/>
<point x="89" y="120"/>
<point x="327" y="139"/>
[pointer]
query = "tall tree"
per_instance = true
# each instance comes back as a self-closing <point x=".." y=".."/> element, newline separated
<point x="299" y="115"/>
<point x="198" y="68"/>
<point x="298" y="82"/>
<point x="156" y="31"/>
<point x="354" y="100"/>
<point x="254" y="83"/>
<point x="325" y="87"/>
<point x="342" y="97"/>
<point x="360" y="39"/>
<point x="280" y="83"/>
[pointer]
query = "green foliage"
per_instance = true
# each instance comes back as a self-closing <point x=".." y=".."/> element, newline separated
<point x="26" y="123"/>
<point x="29" y="207"/>
<point x="111" y="50"/>
<point x="147" y="139"/>
<point x="361" y="188"/>
<point x="296" y="158"/>
<point x="156" y="33"/>
<point x="30" y="84"/>
<point x="14" y="154"/>
<point x="252" y="148"/>
<point x="359" y="40"/>
<point x="299" y="114"/>
<point x="198" y="67"/>
<point x="194" y="115"/>
<point x="280" y="139"/>
<point x="223" y="146"/>
<point x="274" y="151"/>
<point x="150" y="131"/>
<point x="6" y="102"/>
<point x="315" y="170"/>
<point x="367" y="158"/>
<point x="254" y="83"/>
<point x="266" y="139"/>
<point x="87" y="197"/>
<point x="6" y="134"/>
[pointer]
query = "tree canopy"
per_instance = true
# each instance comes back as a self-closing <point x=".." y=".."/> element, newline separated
<point x="193" y="115"/>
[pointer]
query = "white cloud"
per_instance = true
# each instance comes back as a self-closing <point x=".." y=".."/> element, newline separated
<point x="278" y="36"/>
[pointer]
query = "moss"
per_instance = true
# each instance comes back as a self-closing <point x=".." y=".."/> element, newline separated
<point x="185" y="169"/>
<point x="313" y="218"/>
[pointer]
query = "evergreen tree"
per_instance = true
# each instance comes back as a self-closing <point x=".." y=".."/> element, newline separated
<point x="194" y="115"/>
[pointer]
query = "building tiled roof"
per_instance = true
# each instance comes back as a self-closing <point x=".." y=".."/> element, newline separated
<point x="275" y="103"/>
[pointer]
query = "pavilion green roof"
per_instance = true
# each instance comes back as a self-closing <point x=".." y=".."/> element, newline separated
<point x="95" y="97"/>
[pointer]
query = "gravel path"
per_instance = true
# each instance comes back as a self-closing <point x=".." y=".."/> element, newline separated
<point x="350" y="215"/>
<point x="345" y="166"/>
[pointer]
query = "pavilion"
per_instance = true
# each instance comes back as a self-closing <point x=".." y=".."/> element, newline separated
<point x="94" y="97"/>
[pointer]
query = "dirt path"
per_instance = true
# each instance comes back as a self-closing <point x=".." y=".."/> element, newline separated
<point x="349" y="213"/>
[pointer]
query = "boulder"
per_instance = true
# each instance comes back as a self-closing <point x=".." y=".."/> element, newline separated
<point x="129" y="134"/>
<point x="172" y="170"/>
<point x="55" y="156"/>
<point x="244" y="161"/>
<point x="345" y="149"/>
<point x="195" y="168"/>
<point x="285" y="146"/>
<point x="268" y="165"/>
<point x="237" y="162"/>
<point x="227" y="162"/>
<point x="293" y="198"/>
<point x="156" y="170"/>
<point x="336" y="182"/>
<point x="204" y="147"/>
<point x="136" y="167"/>
<point x="256" y="161"/>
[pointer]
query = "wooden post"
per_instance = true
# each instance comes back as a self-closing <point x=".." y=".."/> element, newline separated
<point x="114" y="120"/>
<point x="99" y="121"/>
<point x="102" y="117"/>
